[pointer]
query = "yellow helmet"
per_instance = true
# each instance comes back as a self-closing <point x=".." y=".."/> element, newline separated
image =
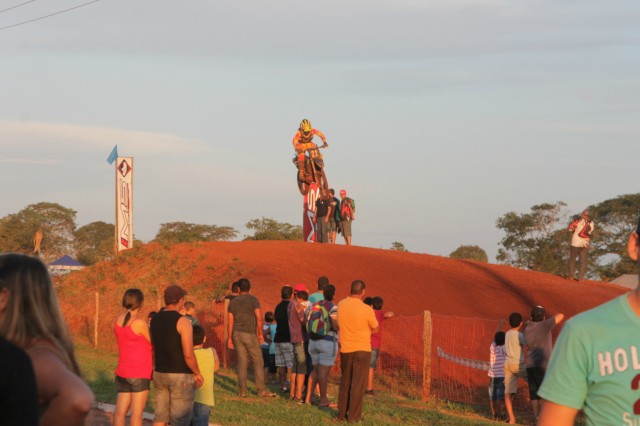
<point x="305" y="126"/>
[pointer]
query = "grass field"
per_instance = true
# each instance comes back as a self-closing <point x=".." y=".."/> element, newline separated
<point x="386" y="408"/>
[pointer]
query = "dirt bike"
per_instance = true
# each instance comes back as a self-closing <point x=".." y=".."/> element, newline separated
<point x="313" y="172"/>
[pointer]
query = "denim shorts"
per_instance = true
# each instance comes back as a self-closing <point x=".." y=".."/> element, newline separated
<point x="323" y="352"/>
<point x="174" y="397"/>
<point x="201" y="414"/>
<point x="496" y="388"/>
<point x="374" y="358"/>
<point x="131" y="385"/>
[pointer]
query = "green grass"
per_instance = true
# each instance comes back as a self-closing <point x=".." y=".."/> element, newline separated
<point x="386" y="408"/>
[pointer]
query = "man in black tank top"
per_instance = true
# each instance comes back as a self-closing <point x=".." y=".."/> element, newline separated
<point x="176" y="374"/>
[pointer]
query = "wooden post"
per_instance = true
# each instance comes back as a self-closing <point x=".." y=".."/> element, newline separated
<point x="426" y="366"/>
<point x="225" y="352"/>
<point x="96" y="321"/>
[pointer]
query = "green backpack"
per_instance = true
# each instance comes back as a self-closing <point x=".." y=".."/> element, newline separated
<point x="319" y="321"/>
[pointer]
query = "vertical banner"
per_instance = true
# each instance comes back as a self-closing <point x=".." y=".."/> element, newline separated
<point x="308" y="227"/>
<point x="124" y="203"/>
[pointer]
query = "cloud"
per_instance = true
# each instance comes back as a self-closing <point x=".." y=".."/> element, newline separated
<point x="41" y="137"/>
<point x="29" y="161"/>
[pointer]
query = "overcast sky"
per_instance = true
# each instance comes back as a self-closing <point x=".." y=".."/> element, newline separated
<point x="441" y="116"/>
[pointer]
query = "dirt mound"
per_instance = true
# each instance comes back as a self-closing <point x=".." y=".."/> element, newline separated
<point x="408" y="282"/>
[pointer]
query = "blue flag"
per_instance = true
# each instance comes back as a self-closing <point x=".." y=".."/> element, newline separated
<point x="113" y="155"/>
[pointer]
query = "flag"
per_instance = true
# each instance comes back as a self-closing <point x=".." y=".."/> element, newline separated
<point x="113" y="155"/>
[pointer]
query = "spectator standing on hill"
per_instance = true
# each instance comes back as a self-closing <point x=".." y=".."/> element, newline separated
<point x="347" y="214"/>
<point x="321" y="218"/>
<point x="323" y="343"/>
<point x="30" y="318"/>
<point x="135" y="363"/>
<point x="282" y="339"/>
<point x="496" y="376"/>
<point x="538" y="340"/>
<point x="514" y="362"/>
<point x="356" y="322"/>
<point x="296" y="328"/>
<point x="18" y="393"/>
<point x="176" y="373"/>
<point x="593" y="366"/>
<point x="582" y="228"/>
<point x="209" y="363"/>
<point x="334" y="216"/>
<point x="376" y="339"/>
<point x="245" y="336"/>
<point x="319" y="295"/>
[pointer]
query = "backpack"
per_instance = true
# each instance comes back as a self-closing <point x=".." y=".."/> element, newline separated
<point x="318" y="320"/>
<point x="586" y="231"/>
<point x="347" y="209"/>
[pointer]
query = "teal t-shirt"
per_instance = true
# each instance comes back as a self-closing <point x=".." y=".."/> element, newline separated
<point x="595" y="365"/>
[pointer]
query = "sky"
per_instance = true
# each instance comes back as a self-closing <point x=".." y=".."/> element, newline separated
<point x="441" y="116"/>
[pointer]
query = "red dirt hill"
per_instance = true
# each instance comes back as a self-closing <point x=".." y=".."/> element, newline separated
<point x="408" y="282"/>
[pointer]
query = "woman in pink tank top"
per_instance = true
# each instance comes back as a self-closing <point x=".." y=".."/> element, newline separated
<point x="133" y="373"/>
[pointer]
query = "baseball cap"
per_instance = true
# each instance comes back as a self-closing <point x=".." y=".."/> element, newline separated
<point x="342" y="191"/>
<point x="300" y="287"/>
<point x="173" y="294"/>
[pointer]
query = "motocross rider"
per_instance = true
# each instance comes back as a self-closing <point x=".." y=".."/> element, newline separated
<point x="303" y="140"/>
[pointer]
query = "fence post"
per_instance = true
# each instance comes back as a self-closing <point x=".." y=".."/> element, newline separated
<point x="426" y="365"/>
<point x="96" y="321"/>
<point x="225" y="347"/>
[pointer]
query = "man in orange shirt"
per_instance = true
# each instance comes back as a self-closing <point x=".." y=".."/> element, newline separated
<point x="303" y="140"/>
<point x="356" y="322"/>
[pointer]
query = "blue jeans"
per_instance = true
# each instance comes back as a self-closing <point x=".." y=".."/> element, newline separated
<point x="200" y="414"/>
<point x="174" y="398"/>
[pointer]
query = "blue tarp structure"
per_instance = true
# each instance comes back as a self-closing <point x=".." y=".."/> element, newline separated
<point x="66" y="260"/>
<point x="64" y="265"/>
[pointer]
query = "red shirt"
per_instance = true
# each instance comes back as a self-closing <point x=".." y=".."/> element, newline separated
<point x="134" y="354"/>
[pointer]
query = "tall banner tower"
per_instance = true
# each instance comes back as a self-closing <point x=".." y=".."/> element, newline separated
<point x="124" y="203"/>
<point x="309" y="210"/>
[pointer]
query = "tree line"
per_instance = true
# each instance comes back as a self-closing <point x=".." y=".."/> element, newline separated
<point x="95" y="241"/>
<point x="536" y="240"/>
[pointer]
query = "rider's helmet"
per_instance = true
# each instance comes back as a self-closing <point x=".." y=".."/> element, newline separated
<point x="305" y="127"/>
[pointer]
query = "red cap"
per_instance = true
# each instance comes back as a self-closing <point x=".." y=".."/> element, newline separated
<point x="342" y="191"/>
<point x="300" y="287"/>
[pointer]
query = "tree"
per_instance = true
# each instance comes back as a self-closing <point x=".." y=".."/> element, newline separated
<point x="181" y="232"/>
<point x="271" y="229"/>
<point x="95" y="242"/>
<point x="398" y="246"/>
<point x="470" y="253"/>
<point x="614" y="220"/>
<point x="56" y="222"/>
<point x="537" y="240"/>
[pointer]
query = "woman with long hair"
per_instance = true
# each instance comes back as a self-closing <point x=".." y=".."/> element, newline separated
<point x="133" y="373"/>
<point x="30" y="318"/>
